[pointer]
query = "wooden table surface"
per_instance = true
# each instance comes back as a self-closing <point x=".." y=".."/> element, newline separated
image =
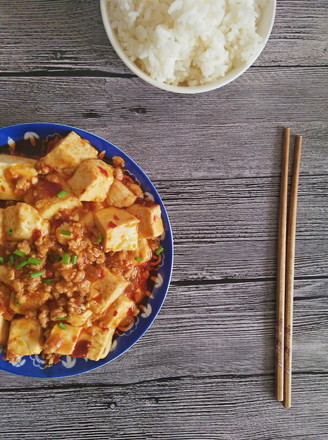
<point x="205" y="369"/>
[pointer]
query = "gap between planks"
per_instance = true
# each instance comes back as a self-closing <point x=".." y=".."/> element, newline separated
<point x="185" y="283"/>
<point x="232" y="377"/>
<point x="86" y="73"/>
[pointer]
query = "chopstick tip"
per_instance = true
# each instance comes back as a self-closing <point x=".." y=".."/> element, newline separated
<point x="298" y="145"/>
<point x="286" y="404"/>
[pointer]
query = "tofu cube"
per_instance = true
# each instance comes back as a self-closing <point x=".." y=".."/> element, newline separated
<point x="7" y="163"/>
<point x="119" y="229"/>
<point x="25" y="338"/>
<point x="20" y="220"/>
<point x="87" y="219"/>
<point x="48" y="208"/>
<point x="67" y="155"/>
<point x="91" y="180"/>
<point x="62" y="340"/>
<point x="33" y="301"/>
<point x="150" y="216"/>
<point x="143" y="253"/>
<point x="94" y="343"/>
<point x="120" y="196"/>
<point x="78" y="320"/>
<point x="4" y="272"/>
<point x="22" y="177"/>
<point x="18" y="170"/>
<point x="4" y="331"/>
<point x="106" y="290"/>
<point x="117" y="312"/>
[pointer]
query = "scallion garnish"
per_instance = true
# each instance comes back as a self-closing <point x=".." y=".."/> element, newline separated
<point x="19" y="253"/>
<point x="34" y="261"/>
<point x="37" y="274"/>
<point x="10" y="232"/>
<point x="64" y="232"/>
<point x="17" y="303"/>
<point x="61" y="325"/>
<point x="65" y="259"/>
<point x="99" y="239"/>
<point x="22" y="264"/>
<point x="2" y="260"/>
<point x="62" y="319"/>
<point x="159" y="250"/>
<point x="138" y="258"/>
<point x="11" y="260"/>
<point x="47" y="281"/>
<point x="74" y="259"/>
<point x="62" y="193"/>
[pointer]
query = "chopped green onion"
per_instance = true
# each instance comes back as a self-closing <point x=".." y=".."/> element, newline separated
<point x="11" y="260"/>
<point x="61" y="325"/>
<point x="34" y="261"/>
<point x="22" y="264"/>
<point x="2" y="260"/>
<point x="64" y="232"/>
<point x="99" y="239"/>
<point x="19" y="253"/>
<point x="17" y="303"/>
<point x="138" y="258"/>
<point x="159" y="250"/>
<point x="47" y="281"/>
<point x="74" y="259"/>
<point x="37" y="274"/>
<point x="65" y="259"/>
<point x="10" y="232"/>
<point x="62" y="319"/>
<point x="62" y="193"/>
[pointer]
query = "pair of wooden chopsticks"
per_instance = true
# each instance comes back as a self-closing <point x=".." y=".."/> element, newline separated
<point x="285" y="271"/>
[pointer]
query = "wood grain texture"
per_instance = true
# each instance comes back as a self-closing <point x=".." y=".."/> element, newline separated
<point x="235" y="221"/>
<point x="233" y="132"/>
<point x="69" y="36"/>
<point x="235" y="408"/>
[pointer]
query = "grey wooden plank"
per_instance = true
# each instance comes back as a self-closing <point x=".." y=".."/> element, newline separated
<point x="236" y="260"/>
<point x="233" y="132"/>
<point x="233" y="209"/>
<point x="180" y="409"/>
<point x="298" y="36"/>
<point x="206" y="330"/>
<point x="228" y="229"/>
<point x="69" y="36"/>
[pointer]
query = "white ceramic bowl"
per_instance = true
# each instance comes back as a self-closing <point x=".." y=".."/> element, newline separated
<point x="264" y="29"/>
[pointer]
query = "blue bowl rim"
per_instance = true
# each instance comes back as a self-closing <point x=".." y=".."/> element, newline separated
<point x="29" y="127"/>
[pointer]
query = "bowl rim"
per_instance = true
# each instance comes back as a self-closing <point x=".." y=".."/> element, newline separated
<point x="169" y="257"/>
<point x="191" y="90"/>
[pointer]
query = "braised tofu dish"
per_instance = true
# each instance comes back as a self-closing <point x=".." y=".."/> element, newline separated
<point x="80" y="243"/>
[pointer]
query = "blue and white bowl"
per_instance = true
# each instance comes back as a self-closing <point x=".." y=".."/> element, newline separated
<point x="34" y="366"/>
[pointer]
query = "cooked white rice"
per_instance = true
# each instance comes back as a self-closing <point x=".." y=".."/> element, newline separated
<point x="187" y="42"/>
